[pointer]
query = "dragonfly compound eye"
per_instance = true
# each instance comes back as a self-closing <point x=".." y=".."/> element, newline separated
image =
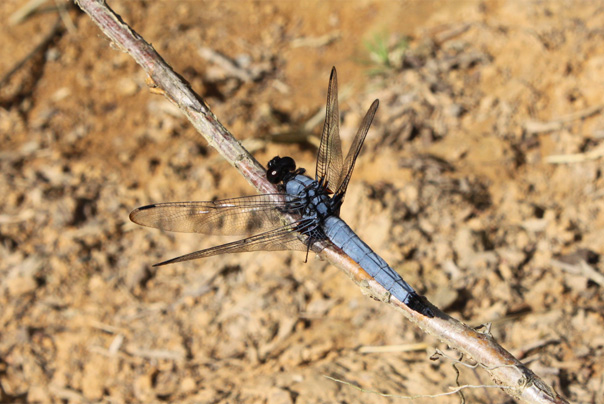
<point x="279" y="168"/>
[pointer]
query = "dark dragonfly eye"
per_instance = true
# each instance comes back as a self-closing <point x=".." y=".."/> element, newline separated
<point x="279" y="168"/>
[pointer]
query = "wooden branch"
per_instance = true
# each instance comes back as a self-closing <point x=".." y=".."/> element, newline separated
<point x="514" y="378"/>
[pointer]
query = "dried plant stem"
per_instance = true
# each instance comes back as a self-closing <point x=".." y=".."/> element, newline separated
<point x="505" y="370"/>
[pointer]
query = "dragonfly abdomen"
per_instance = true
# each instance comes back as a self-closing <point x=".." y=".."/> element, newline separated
<point x="346" y="239"/>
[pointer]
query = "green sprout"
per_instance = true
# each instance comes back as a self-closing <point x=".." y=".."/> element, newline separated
<point x="382" y="56"/>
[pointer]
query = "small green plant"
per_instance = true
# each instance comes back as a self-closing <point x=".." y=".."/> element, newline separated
<point x="384" y="57"/>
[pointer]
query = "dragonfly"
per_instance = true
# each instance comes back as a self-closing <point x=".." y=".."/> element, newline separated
<point x="303" y="214"/>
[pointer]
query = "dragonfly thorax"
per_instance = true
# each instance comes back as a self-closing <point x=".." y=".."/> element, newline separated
<point x="317" y="203"/>
<point x="314" y="200"/>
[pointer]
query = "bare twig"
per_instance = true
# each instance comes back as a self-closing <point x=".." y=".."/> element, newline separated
<point x="156" y="354"/>
<point x="507" y="372"/>
<point x="581" y="268"/>
<point x="454" y="390"/>
<point x="35" y="7"/>
<point x="534" y="126"/>
<point x="25" y="11"/>
<point x="228" y="65"/>
<point x="65" y="17"/>
<point x="594" y="154"/>
<point x="67" y="394"/>
<point x="315" y="42"/>
<point x="394" y="348"/>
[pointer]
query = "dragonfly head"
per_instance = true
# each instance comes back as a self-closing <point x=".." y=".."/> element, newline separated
<point x="280" y="168"/>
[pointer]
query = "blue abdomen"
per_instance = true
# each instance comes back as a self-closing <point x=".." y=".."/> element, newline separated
<point x="342" y="236"/>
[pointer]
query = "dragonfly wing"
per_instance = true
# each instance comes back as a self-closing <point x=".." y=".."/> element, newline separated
<point x="329" y="158"/>
<point x="355" y="149"/>
<point x="283" y="238"/>
<point x="236" y="216"/>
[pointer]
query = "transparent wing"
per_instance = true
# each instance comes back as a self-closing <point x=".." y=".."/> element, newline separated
<point x="236" y="216"/>
<point x="354" y="151"/>
<point x="329" y="158"/>
<point x="282" y="238"/>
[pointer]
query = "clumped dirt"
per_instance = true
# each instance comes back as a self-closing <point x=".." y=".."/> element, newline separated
<point x="480" y="182"/>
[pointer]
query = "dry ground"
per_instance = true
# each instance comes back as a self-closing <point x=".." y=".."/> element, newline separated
<point x="481" y="182"/>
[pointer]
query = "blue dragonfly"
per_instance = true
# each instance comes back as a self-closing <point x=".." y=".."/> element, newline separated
<point x="305" y="212"/>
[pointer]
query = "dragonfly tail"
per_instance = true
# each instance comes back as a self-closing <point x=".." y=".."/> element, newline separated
<point x="419" y="304"/>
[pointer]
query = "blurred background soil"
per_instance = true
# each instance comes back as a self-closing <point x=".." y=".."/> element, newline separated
<point x="480" y="182"/>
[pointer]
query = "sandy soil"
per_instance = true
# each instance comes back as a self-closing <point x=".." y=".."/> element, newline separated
<point x="480" y="182"/>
